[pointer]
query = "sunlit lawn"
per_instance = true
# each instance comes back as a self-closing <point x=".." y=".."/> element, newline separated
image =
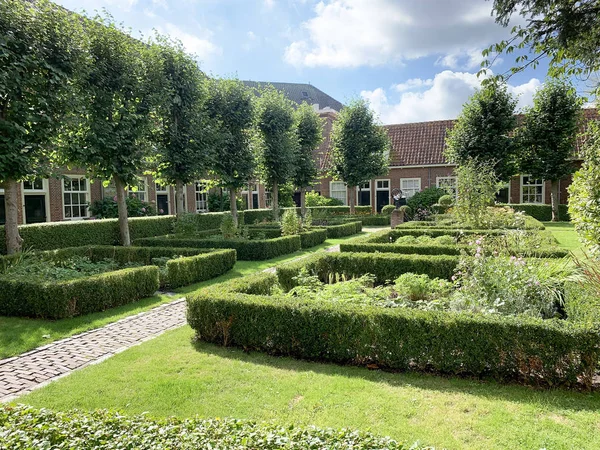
<point x="565" y="234"/>
<point x="18" y="335"/>
<point x="171" y="375"/>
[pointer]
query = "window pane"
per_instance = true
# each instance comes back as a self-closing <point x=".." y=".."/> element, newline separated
<point x="67" y="184"/>
<point x="67" y="199"/>
<point x="83" y="184"/>
<point x="68" y="212"/>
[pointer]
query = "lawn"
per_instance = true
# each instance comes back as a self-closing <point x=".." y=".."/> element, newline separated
<point x="565" y="234"/>
<point x="171" y="375"/>
<point x="18" y="335"/>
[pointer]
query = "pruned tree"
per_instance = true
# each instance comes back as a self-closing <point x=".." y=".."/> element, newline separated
<point x="276" y="142"/>
<point x="483" y="131"/>
<point x="565" y="32"/>
<point x="548" y="136"/>
<point x="360" y="147"/>
<point x="122" y="95"/>
<point x="230" y="103"/>
<point x="309" y="129"/>
<point x="186" y="136"/>
<point x="42" y="52"/>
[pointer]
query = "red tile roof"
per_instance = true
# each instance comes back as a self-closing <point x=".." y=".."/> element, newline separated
<point x="423" y="143"/>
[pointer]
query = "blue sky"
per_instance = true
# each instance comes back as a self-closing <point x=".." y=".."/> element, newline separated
<point x="415" y="60"/>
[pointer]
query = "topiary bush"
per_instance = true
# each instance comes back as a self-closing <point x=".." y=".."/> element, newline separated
<point x="313" y="237"/>
<point x="315" y="199"/>
<point x="425" y="199"/>
<point x="446" y="200"/>
<point x="342" y="230"/>
<point x="387" y="209"/>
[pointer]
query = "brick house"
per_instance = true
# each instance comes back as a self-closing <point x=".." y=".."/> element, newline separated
<point x="416" y="162"/>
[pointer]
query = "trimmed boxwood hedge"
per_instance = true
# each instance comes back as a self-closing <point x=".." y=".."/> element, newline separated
<point x="24" y="428"/>
<point x="385" y="266"/>
<point x="342" y="230"/>
<point x="530" y="224"/>
<point x="247" y="250"/>
<point x="541" y="212"/>
<point x="52" y="235"/>
<point x="57" y="300"/>
<point x="374" y="220"/>
<point x="523" y="349"/>
<point x="313" y="237"/>
<point x="339" y="210"/>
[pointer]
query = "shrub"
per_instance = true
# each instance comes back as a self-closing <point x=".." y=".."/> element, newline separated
<point x="194" y="223"/>
<point x="387" y="209"/>
<point x="373" y="220"/>
<point x="252" y="216"/>
<point x="540" y="212"/>
<point x="313" y="237"/>
<point x="425" y="198"/>
<point x="200" y="267"/>
<point x="290" y="223"/>
<point x="346" y="229"/>
<point x="328" y="211"/>
<point x="107" y="208"/>
<point x="524" y="349"/>
<point x="23" y="427"/>
<point x="307" y="219"/>
<point x="260" y="232"/>
<point x="228" y="229"/>
<point x="314" y="199"/>
<point x="247" y="250"/>
<point x="446" y="200"/>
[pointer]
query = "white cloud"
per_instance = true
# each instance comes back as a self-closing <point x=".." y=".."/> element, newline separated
<point x="200" y="45"/>
<point x="443" y="99"/>
<point x="269" y="3"/>
<point x="412" y="84"/>
<point x="353" y="33"/>
<point x="251" y="41"/>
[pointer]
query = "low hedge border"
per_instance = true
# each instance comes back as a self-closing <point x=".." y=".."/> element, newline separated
<point x="24" y="428"/>
<point x="58" y="300"/>
<point x="522" y="349"/>
<point x="313" y="237"/>
<point x="247" y="250"/>
<point x="339" y="210"/>
<point x="264" y="232"/>
<point x="530" y="224"/>
<point x="445" y="250"/>
<point x="344" y="229"/>
<point x="385" y="266"/>
<point x="542" y="213"/>
<point x="436" y="232"/>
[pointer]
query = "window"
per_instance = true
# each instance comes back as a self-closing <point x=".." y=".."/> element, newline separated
<point x="142" y="190"/>
<point x="532" y="190"/>
<point x="447" y="183"/>
<point x="35" y="185"/>
<point x="201" y="197"/>
<point x="410" y="186"/>
<point x="383" y="185"/>
<point x="338" y="190"/>
<point x="268" y="199"/>
<point x="363" y="194"/>
<point x="162" y="188"/>
<point x="75" y="197"/>
<point x="503" y="194"/>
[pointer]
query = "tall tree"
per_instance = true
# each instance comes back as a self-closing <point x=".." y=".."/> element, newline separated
<point x="309" y="129"/>
<point x="567" y="32"/>
<point x="548" y="135"/>
<point x="482" y="131"/>
<point x="42" y="53"/>
<point x="360" y="147"/>
<point x="277" y="141"/>
<point x="185" y="136"/>
<point x="122" y="96"/>
<point x="231" y="104"/>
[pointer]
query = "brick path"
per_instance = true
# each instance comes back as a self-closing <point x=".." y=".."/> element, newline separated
<point x="23" y="373"/>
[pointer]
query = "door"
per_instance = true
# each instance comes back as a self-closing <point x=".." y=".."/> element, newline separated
<point x="254" y="200"/>
<point x="35" y="208"/>
<point x="383" y="199"/>
<point x="162" y="203"/>
<point x="2" y="211"/>
<point x="364" y="198"/>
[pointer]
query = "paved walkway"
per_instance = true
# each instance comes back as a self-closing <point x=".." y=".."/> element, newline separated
<point x="36" y="368"/>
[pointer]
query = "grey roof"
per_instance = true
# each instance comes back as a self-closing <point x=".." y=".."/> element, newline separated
<point x="300" y="92"/>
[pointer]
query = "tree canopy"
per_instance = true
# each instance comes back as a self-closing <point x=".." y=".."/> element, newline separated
<point x="482" y="131"/>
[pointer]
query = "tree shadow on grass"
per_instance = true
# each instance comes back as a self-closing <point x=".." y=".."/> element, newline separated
<point x="487" y="389"/>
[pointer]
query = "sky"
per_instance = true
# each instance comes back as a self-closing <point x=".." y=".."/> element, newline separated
<point x="414" y="60"/>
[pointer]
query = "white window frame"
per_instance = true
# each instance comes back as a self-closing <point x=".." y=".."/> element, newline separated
<point x="141" y="194"/>
<point x="268" y="199"/>
<point x="331" y="190"/>
<point x="87" y="193"/>
<point x="368" y="183"/>
<point x="377" y="188"/>
<point x="413" y="190"/>
<point x="449" y="177"/>
<point x="542" y="185"/>
<point x="164" y="190"/>
<point x="45" y="190"/>
<point x="201" y="196"/>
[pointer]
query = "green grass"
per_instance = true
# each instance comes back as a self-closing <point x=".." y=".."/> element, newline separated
<point x="171" y="375"/>
<point x="565" y="234"/>
<point x="18" y="335"/>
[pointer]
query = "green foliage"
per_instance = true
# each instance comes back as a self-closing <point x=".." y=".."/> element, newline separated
<point x="286" y="196"/>
<point x="230" y="104"/>
<point x="446" y="200"/>
<point x="359" y="145"/>
<point x="476" y="187"/>
<point x="105" y="429"/>
<point x="425" y="199"/>
<point x="228" y="228"/>
<point x="194" y="269"/>
<point x="342" y="230"/>
<point x="584" y="193"/>
<point x="522" y="349"/>
<point x="307" y="219"/>
<point x="247" y="250"/>
<point x="482" y="131"/>
<point x="327" y="211"/>
<point x="309" y="130"/>
<point x="568" y="35"/>
<point x="387" y="209"/>
<point x="290" y="223"/>
<point x="314" y="199"/>
<point x="107" y="208"/>
<point x="312" y="237"/>
<point x="539" y="212"/>
<point x="421" y="288"/>
<point x="258" y="215"/>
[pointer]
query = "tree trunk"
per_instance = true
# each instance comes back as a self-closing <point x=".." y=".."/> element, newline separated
<point x="352" y="199"/>
<point x="303" y="202"/>
<point x="122" y="207"/>
<point x="11" y="227"/>
<point x="554" y="188"/>
<point x="180" y="207"/>
<point x="233" y="206"/>
<point x="275" y="198"/>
